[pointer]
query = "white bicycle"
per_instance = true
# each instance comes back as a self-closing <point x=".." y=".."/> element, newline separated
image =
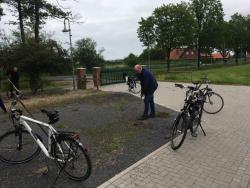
<point x="22" y="144"/>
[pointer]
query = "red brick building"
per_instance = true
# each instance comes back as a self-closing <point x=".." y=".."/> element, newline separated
<point x="186" y="54"/>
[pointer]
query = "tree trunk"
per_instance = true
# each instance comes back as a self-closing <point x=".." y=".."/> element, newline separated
<point x="149" y="57"/>
<point x="20" y="17"/>
<point x="168" y="59"/>
<point x="199" y="53"/>
<point x="37" y="20"/>
<point x="237" y="57"/>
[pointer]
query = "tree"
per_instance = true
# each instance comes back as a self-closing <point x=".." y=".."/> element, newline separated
<point x="86" y="53"/>
<point x="33" y="14"/>
<point x="155" y="54"/>
<point x="34" y="59"/>
<point x="207" y="14"/>
<point x="18" y="11"/>
<point x="173" y="27"/>
<point x="39" y="11"/>
<point x="222" y="40"/>
<point x="146" y="34"/>
<point x="131" y="60"/>
<point x="238" y="28"/>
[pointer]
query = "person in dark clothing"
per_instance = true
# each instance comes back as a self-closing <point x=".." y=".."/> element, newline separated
<point x="14" y="78"/>
<point x="148" y="87"/>
<point x="1" y="101"/>
<point x="2" y="105"/>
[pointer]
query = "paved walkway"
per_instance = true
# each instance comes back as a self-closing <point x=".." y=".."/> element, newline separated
<point x="221" y="159"/>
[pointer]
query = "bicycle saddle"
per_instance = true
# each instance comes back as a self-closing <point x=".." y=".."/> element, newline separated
<point x="195" y="82"/>
<point x="52" y="115"/>
<point x="179" y="85"/>
<point x="192" y="88"/>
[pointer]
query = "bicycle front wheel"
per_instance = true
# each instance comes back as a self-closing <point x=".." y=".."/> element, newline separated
<point x="213" y="104"/>
<point x="17" y="147"/>
<point x="72" y="158"/>
<point x="179" y="132"/>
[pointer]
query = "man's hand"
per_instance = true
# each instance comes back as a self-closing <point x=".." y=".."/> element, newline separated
<point x="142" y="95"/>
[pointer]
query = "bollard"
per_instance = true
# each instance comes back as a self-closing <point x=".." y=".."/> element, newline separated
<point x="81" y="78"/>
<point x="97" y="77"/>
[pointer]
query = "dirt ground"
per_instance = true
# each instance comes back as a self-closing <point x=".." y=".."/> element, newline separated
<point x="107" y="125"/>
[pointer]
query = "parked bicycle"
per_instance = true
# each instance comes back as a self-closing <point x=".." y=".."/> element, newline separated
<point x="133" y="85"/>
<point x="189" y="117"/>
<point x="214" y="102"/>
<point x="22" y="144"/>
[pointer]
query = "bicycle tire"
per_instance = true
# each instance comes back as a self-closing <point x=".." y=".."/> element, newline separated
<point x="179" y="131"/>
<point x="209" y="103"/>
<point x="12" y="137"/>
<point x="70" y="157"/>
<point x="135" y="88"/>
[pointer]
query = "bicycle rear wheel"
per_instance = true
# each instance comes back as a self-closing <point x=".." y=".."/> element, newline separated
<point x="72" y="158"/>
<point x="213" y="104"/>
<point x="179" y="131"/>
<point x="18" y="147"/>
<point x="135" y="87"/>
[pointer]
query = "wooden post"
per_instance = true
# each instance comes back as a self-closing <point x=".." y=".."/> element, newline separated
<point x="97" y="77"/>
<point x="81" y="78"/>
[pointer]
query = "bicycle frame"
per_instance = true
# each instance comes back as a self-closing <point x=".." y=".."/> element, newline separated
<point x="23" y="121"/>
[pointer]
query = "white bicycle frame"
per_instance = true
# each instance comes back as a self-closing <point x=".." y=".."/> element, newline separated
<point x="23" y="121"/>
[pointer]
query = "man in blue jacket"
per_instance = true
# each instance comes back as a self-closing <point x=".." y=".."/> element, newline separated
<point x="148" y="87"/>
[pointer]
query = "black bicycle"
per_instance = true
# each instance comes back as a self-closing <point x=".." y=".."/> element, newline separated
<point x="133" y="85"/>
<point x="214" y="102"/>
<point x="189" y="117"/>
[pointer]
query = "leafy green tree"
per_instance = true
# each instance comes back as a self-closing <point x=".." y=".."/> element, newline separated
<point x="39" y="11"/>
<point x="155" y="54"/>
<point x="173" y="27"/>
<point x="239" y="30"/>
<point x="248" y="34"/>
<point x="146" y="34"/>
<point x="86" y="53"/>
<point x="33" y="14"/>
<point x="131" y="60"/>
<point x="208" y="13"/>
<point x="34" y="59"/>
<point x="222" y="40"/>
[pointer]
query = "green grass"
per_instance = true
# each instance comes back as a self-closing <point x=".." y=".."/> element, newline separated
<point x="238" y="75"/>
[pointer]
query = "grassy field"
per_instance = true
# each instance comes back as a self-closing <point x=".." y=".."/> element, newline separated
<point x="238" y="75"/>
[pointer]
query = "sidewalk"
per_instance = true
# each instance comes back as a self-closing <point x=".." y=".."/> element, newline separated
<point x="220" y="159"/>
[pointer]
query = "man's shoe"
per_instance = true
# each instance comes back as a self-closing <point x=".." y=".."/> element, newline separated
<point x="142" y="118"/>
<point x="152" y="116"/>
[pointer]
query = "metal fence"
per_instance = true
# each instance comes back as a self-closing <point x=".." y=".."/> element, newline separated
<point x="116" y="75"/>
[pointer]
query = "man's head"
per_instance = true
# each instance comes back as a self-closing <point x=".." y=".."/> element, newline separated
<point x="138" y="68"/>
<point x="15" y="69"/>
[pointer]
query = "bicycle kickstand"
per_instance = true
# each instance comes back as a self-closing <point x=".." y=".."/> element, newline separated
<point x="58" y="175"/>
<point x="203" y="130"/>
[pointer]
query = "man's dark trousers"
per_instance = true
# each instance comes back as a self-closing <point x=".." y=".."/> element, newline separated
<point x="149" y="102"/>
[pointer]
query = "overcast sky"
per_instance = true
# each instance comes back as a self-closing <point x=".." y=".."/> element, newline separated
<point x="113" y="23"/>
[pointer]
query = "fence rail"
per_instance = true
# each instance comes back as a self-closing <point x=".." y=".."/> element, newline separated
<point x="116" y="75"/>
